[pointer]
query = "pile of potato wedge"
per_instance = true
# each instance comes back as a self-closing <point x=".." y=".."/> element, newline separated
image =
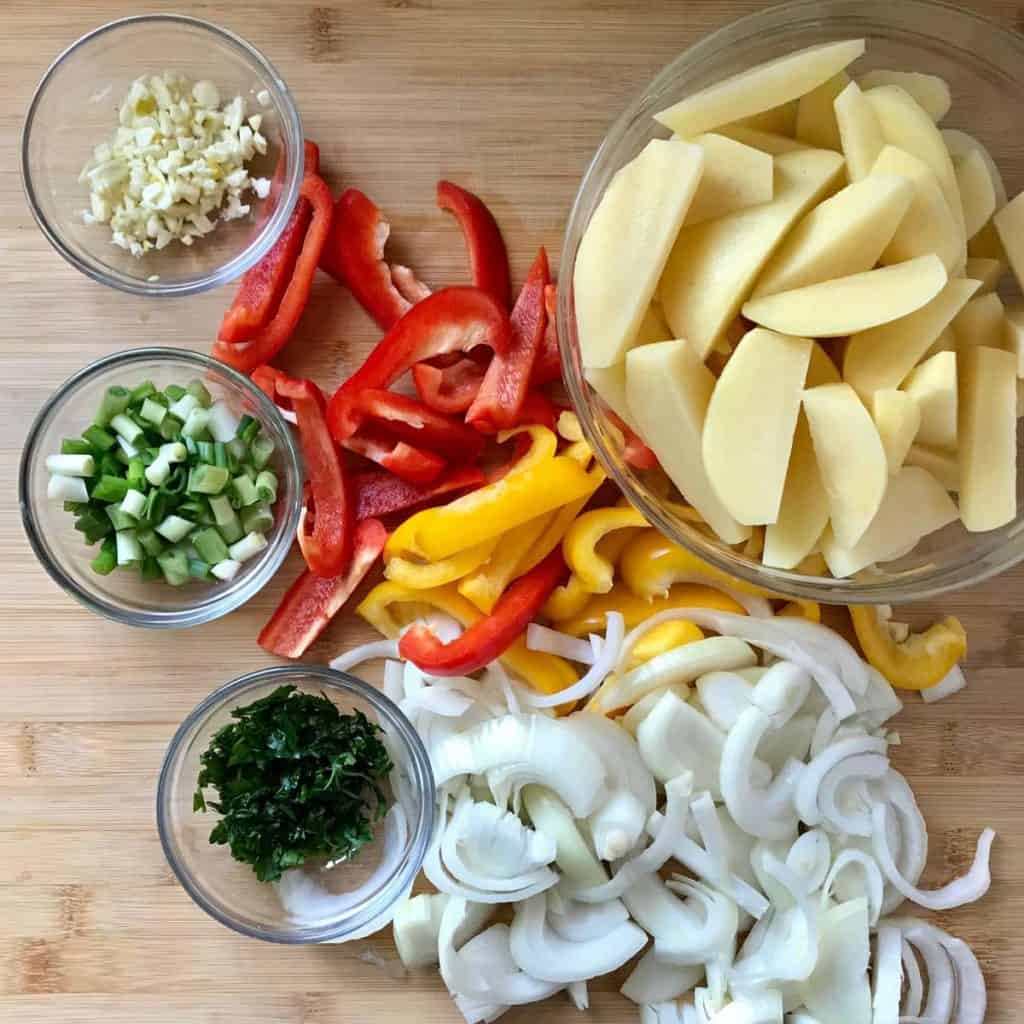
<point x="793" y="301"/>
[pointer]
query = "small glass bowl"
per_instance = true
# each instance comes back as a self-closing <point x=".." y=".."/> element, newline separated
<point x="75" y="107"/>
<point x="227" y="889"/>
<point x="62" y="550"/>
<point x="983" y="62"/>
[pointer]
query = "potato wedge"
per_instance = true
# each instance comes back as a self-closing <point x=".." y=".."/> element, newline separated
<point x="713" y="265"/>
<point x="668" y="389"/>
<point x="626" y="244"/>
<point x="977" y="195"/>
<point x="988" y="438"/>
<point x="748" y="431"/>
<point x="1013" y="335"/>
<point x="945" y="342"/>
<point x="767" y="142"/>
<point x="933" y="385"/>
<point x="1009" y="222"/>
<point x="735" y="176"/>
<point x="980" y="322"/>
<point x="842" y="235"/>
<point x="940" y="462"/>
<point x="859" y="131"/>
<point x="760" y="88"/>
<point x="780" y="120"/>
<point x="915" y="504"/>
<point x="816" y="114"/>
<point x="987" y="271"/>
<point x="930" y="92"/>
<point x="987" y="244"/>
<point x="850" y="458"/>
<point x="882" y="357"/>
<point x="960" y="143"/>
<point x="898" y="420"/>
<point x="847" y="305"/>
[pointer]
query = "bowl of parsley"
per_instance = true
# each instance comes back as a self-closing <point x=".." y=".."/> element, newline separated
<point x="295" y="805"/>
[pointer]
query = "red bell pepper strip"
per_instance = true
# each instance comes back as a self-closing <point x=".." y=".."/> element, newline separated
<point x="311" y="157"/>
<point x="379" y="493"/>
<point x="274" y="335"/>
<point x="416" y="465"/>
<point x="537" y="408"/>
<point x="496" y="406"/>
<point x="488" y="638"/>
<point x="312" y="601"/>
<point x="451" y="320"/>
<point x="329" y="547"/>
<point x="547" y="367"/>
<point x="634" y="451"/>
<point x="449" y="389"/>
<point x="354" y="256"/>
<point x="488" y="260"/>
<point x="266" y="378"/>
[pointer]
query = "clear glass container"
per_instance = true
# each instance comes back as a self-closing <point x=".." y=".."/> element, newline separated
<point x="122" y="595"/>
<point x="983" y="62"/>
<point x="75" y="107"/>
<point x="364" y="890"/>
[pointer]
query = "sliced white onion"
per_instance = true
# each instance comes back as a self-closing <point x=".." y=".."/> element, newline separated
<point x="809" y="786"/>
<point x="667" y="1012"/>
<point x="365" y="652"/>
<point x="654" y="981"/>
<point x="880" y="702"/>
<point x="843" y="798"/>
<point x="763" y="1007"/>
<point x="575" y="856"/>
<point x="713" y="938"/>
<point x="550" y="641"/>
<point x="631" y="720"/>
<point x="952" y="682"/>
<point x="579" y="995"/>
<point x="942" y="982"/>
<point x="497" y="977"/>
<point x="724" y="696"/>
<point x="873" y="884"/>
<point x="393" y="681"/>
<point x="888" y="976"/>
<point x="809" y="858"/>
<point x="617" y="825"/>
<point x="476" y="1011"/>
<point x="438" y="701"/>
<point x="702" y="807"/>
<point x="618" y="753"/>
<point x="675" y="738"/>
<point x="838" y="989"/>
<point x="595" y="675"/>
<point x="914" y="993"/>
<point x="584" y="922"/>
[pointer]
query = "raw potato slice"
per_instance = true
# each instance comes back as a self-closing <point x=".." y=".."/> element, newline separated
<point x="945" y="342"/>
<point x="960" y="144"/>
<point x="626" y="244"/>
<point x="1013" y="335"/>
<point x="821" y="369"/>
<point x="713" y="265"/>
<point x="976" y="192"/>
<point x="846" y="305"/>
<point x="1009" y="222"/>
<point x="942" y="464"/>
<point x="933" y="385"/>
<point x="980" y="322"/>
<point x="988" y="438"/>
<point x="915" y="505"/>
<point x="928" y="225"/>
<point x="767" y="142"/>
<point x="930" y="92"/>
<point x="898" y="419"/>
<point x="883" y="356"/>
<point x="735" y="176"/>
<point x="859" y="131"/>
<point x="987" y="271"/>
<point x="850" y="458"/>
<point x="988" y="244"/>
<point x="668" y="388"/>
<point x="841" y="236"/>
<point x="780" y="120"/>
<point x="760" y="88"/>
<point x="816" y="114"/>
<point x="748" y="431"/>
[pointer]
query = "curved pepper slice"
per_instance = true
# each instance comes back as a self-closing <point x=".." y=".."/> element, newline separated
<point x="547" y="367"/>
<point x="566" y="601"/>
<point x="266" y="342"/>
<point x="451" y="320"/>
<point x="426" y="575"/>
<point x="379" y="493"/>
<point x="449" y="389"/>
<point x="312" y="601"/>
<point x="488" y="259"/>
<point x="489" y="637"/>
<point x="666" y="637"/>
<point x="595" y="572"/>
<point x="920" y="661"/>
<point x="415" y="465"/>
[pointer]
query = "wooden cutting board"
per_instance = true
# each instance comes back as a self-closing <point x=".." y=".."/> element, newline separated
<point x="510" y="100"/>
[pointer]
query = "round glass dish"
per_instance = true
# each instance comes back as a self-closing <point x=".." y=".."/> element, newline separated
<point x="123" y="596"/>
<point x="983" y="62"/>
<point x="75" y="107"/>
<point x="376" y="878"/>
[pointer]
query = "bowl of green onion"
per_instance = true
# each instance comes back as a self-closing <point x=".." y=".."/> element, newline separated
<point x="160" y="488"/>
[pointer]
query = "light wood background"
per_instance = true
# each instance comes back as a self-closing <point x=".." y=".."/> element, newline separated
<point x="510" y="100"/>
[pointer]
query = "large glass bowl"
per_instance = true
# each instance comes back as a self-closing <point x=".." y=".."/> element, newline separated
<point x="122" y="595"/>
<point x="369" y="885"/>
<point x="75" y="107"/>
<point x="983" y="62"/>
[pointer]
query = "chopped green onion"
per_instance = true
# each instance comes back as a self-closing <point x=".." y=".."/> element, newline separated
<point x="223" y="422"/>
<point x="78" y="507"/>
<point x="115" y="401"/>
<point x="136" y="474"/>
<point x="119" y="520"/>
<point x="183" y="406"/>
<point x="106" y="558"/>
<point x="220" y="454"/>
<point x="149" y="569"/>
<point x="226" y="570"/>
<point x="257" y="519"/>
<point x="197" y="389"/>
<point x="75" y="446"/>
<point x="170" y="429"/>
<point x="190" y="444"/>
<point x="128" y="550"/>
<point x="108" y="465"/>
<point x="204" y="449"/>
<point x="237" y="449"/>
<point x="67" y="488"/>
<point x="208" y="479"/>
<point x="156" y="506"/>
<point x="150" y="542"/>
<point x="94" y="525"/>
<point x="261" y="450"/>
<point x="173" y="392"/>
<point x="210" y="545"/>
<point x="71" y="465"/>
<point x="153" y="412"/>
<point x="266" y="486"/>
<point x="198" y="569"/>
<point x="110" y="488"/>
<point x="177" y="481"/>
<point x="142" y="392"/>
<point x="248" y="547"/>
<point x="127" y="449"/>
<point x="174" y="565"/>
<point x="222" y="510"/>
<point x="133" y="503"/>
<point x="248" y="428"/>
<point x="196" y="424"/>
<point x="127" y="428"/>
<point x="174" y="528"/>
<point x="99" y="438"/>
<point x="245" y="491"/>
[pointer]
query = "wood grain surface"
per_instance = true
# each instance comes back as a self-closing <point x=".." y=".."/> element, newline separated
<point x="510" y="100"/>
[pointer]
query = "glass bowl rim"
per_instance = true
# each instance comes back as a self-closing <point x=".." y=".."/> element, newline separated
<point x="928" y="584"/>
<point x="241" y="262"/>
<point x="268" y="562"/>
<point x="423" y="783"/>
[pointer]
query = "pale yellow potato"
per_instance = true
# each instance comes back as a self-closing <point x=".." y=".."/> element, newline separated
<point x="933" y="385"/>
<point x="627" y="243"/>
<point x="821" y="369"/>
<point x="850" y="458"/>
<point x="988" y="438"/>
<point x="668" y="389"/>
<point x="713" y="265"/>
<point x="930" y="92"/>
<point x="987" y="271"/>
<point x="960" y="143"/>
<point x="780" y="120"/>
<point x="977" y="195"/>
<point x="816" y="114"/>
<point x="882" y="357"/>
<point x="915" y="504"/>
<point x="842" y="235"/>
<point x="748" y="430"/>
<point x="980" y="322"/>
<point x="942" y="463"/>
<point x="928" y="226"/>
<point x="1013" y="335"/>
<point x="767" y="142"/>
<point x="1009" y="222"/>
<point x="898" y="419"/>
<point x="735" y="176"/>
<point x="859" y="131"/>
<point x="760" y="88"/>
<point x="945" y="342"/>
<point x="846" y="305"/>
<point x="987" y="244"/>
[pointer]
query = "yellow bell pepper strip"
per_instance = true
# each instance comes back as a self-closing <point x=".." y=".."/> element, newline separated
<point x="581" y="452"/>
<point x="567" y="600"/>
<point x="543" y="672"/>
<point x="635" y="609"/>
<point x="437" y="533"/>
<point x="579" y="547"/>
<point x="809" y="610"/>
<point x="922" y="660"/>
<point x="543" y="445"/>
<point x="424" y="575"/>
<point x="666" y="637"/>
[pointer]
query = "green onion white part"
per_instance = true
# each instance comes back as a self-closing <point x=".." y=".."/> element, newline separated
<point x="71" y="465"/>
<point x="67" y="488"/>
